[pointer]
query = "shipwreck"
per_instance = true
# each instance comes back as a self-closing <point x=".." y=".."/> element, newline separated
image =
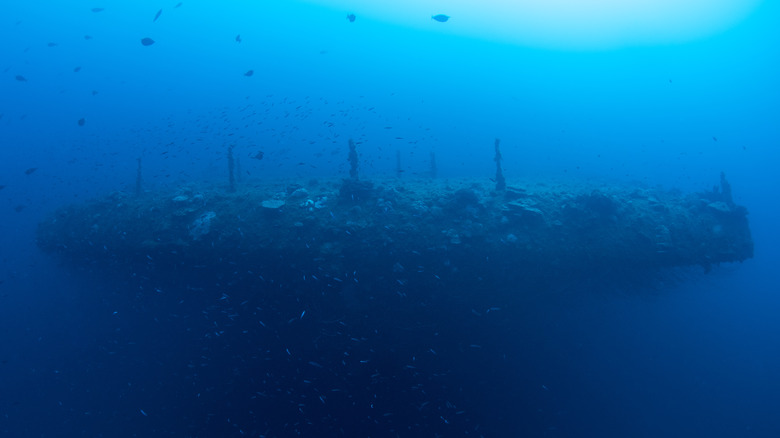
<point x="391" y="234"/>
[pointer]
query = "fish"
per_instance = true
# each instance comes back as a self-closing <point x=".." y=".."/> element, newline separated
<point x="30" y="170"/>
<point x="147" y="41"/>
<point x="249" y="73"/>
<point x="351" y="18"/>
<point x="2" y="187"/>
<point x="178" y="4"/>
<point x="98" y="9"/>
<point x="87" y="37"/>
<point x="81" y="121"/>
<point x="238" y="38"/>
<point x="441" y="18"/>
<point x="157" y="15"/>
<point x="77" y="69"/>
<point x="21" y="78"/>
<point x="259" y="155"/>
<point x="51" y="44"/>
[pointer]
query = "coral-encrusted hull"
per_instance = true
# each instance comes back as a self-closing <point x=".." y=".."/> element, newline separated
<point x="393" y="232"/>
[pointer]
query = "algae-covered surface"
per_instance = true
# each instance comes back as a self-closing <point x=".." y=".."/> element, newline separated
<point x="401" y="230"/>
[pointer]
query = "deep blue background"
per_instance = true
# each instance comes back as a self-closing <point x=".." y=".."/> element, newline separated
<point x="698" y="358"/>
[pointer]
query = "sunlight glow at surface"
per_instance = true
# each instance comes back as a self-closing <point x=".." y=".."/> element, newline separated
<point x="564" y="24"/>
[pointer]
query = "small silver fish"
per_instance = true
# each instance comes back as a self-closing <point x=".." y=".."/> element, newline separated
<point x="441" y="18"/>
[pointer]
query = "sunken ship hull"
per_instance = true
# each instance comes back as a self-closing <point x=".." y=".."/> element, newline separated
<point x="396" y="234"/>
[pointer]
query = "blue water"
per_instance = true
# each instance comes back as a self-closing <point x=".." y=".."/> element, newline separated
<point x="85" y="355"/>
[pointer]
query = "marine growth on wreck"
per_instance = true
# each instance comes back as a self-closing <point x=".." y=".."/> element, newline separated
<point x="396" y="232"/>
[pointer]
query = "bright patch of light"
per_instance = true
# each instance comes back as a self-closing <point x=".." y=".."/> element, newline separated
<point x="579" y="24"/>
